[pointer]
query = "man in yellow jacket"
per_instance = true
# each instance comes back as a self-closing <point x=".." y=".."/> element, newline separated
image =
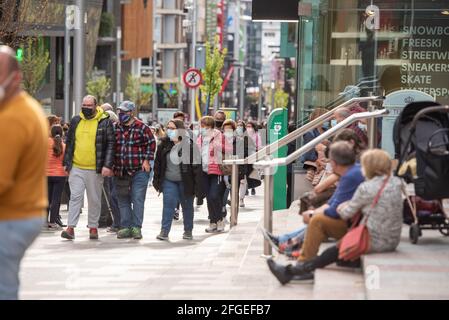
<point x="23" y="180"/>
<point x="89" y="156"/>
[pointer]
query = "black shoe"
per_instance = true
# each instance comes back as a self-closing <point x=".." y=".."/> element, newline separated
<point x="60" y="223"/>
<point x="279" y="271"/>
<point x="253" y="192"/>
<point x="300" y="268"/>
<point x="246" y="193"/>
<point x="349" y="264"/>
<point x="274" y="242"/>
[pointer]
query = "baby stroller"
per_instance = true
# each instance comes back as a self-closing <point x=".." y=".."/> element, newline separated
<point x="421" y="138"/>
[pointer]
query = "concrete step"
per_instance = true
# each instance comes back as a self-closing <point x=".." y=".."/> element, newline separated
<point x="418" y="271"/>
<point x="337" y="283"/>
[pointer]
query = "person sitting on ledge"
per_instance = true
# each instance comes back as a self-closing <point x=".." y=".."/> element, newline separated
<point x="384" y="222"/>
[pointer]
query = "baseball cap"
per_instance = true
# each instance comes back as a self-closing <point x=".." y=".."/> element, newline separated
<point x="127" y="106"/>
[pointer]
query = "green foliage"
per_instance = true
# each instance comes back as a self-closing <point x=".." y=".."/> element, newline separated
<point x="135" y="93"/>
<point x="35" y="61"/>
<point x="106" y="25"/>
<point x="280" y="98"/>
<point x="171" y="90"/>
<point x="212" y="79"/>
<point x="99" y="87"/>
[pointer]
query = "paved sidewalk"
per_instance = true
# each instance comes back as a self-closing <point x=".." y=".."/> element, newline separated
<point x="220" y="266"/>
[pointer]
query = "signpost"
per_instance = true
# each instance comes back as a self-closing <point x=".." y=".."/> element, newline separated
<point x="277" y="128"/>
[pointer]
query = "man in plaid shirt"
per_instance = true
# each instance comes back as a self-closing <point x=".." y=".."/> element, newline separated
<point x="134" y="149"/>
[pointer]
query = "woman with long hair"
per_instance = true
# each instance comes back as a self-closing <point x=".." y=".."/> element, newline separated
<point x="56" y="176"/>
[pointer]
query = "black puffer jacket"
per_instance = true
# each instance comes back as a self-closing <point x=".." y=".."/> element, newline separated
<point x="190" y="166"/>
<point x="104" y="143"/>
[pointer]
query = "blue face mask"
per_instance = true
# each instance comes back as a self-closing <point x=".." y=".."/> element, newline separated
<point x="171" y="134"/>
<point x="326" y="125"/>
<point x="239" y="131"/>
<point x="229" y="134"/>
<point x="333" y="123"/>
<point x="124" y="117"/>
<point x="204" y="132"/>
<point x="362" y="126"/>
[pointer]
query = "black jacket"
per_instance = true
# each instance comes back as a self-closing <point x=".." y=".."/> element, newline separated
<point x="104" y="143"/>
<point x="190" y="167"/>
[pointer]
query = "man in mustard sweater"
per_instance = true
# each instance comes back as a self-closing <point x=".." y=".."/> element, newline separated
<point x="23" y="180"/>
<point x="89" y="156"/>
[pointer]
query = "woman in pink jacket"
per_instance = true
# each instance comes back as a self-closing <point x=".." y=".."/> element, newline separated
<point x="213" y="147"/>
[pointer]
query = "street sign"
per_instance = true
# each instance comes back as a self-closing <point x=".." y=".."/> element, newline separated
<point x="277" y="128"/>
<point x="192" y="78"/>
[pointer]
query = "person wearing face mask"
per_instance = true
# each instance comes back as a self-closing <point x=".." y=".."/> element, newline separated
<point x="212" y="150"/>
<point x="23" y="161"/>
<point x="244" y="147"/>
<point x="88" y="158"/>
<point x="177" y="174"/>
<point x="134" y="150"/>
<point x="251" y="130"/>
<point x="220" y="118"/>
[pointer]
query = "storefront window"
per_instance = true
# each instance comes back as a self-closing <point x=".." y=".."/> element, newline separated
<point x="392" y="45"/>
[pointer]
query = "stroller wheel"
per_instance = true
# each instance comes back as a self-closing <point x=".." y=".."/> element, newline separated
<point x="414" y="233"/>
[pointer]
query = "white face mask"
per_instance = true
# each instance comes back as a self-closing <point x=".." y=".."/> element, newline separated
<point x="4" y="85"/>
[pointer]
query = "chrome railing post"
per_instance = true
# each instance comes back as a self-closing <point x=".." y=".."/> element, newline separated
<point x="235" y="184"/>
<point x="268" y="208"/>
<point x="371" y="126"/>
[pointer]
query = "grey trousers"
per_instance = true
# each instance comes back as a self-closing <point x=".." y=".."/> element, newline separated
<point x="85" y="180"/>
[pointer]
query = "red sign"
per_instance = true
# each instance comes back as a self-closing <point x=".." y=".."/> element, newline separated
<point x="226" y="80"/>
<point x="192" y="78"/>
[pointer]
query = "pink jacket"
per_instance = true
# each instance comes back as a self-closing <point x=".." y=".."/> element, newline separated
<point x="217" y="147"/>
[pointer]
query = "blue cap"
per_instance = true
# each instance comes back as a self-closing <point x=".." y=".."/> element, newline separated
<point x="127" y="106"/>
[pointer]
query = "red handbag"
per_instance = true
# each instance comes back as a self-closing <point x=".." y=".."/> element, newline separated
<point x="357" y="241"/>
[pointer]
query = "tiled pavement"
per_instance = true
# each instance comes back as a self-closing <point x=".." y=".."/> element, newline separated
<point x="220" y="266"/>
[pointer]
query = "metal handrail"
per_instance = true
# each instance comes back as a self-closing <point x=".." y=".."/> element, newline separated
<point x="267" y="150"/>
<point x="268" y="165"/>
<point x="310" y="145"/>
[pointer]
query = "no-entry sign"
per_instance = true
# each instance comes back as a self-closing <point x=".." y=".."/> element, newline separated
<point x="192" y="78"/>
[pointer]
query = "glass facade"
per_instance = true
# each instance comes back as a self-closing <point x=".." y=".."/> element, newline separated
<point x="386" y="45"/>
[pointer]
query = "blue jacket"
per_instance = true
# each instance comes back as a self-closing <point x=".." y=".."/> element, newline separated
<point x="347" y="185"/>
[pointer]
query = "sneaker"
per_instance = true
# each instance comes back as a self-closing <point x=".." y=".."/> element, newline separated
<point x="125" y="233"/>
<point x="68" y="233"/>
<point x="137" y="233"/>
<point x="274" y="242"/>
<point x="242" y="203"/>
<point x="212" y="228"/>
<point x="221" y="225"/>
<point x="304" y="278"/>
<point x="93" y="233"/>
<point x="176" y="215"/>
<point x="187" y="235"/>
<point x="163" y="236"/>
<point x="253" y="192"/>
<point x="54" y="227"/>
<point x="60" y="223"/>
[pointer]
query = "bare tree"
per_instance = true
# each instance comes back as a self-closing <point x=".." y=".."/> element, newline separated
<point x="13" y="19"/>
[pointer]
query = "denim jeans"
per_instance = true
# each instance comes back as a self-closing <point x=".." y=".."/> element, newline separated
<point x="131" y="192"/>
<point x="15" y="238"/>
<point x="215" y="191"/>
<point x="173" y="193"/>
<point x="301" y="232"/>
